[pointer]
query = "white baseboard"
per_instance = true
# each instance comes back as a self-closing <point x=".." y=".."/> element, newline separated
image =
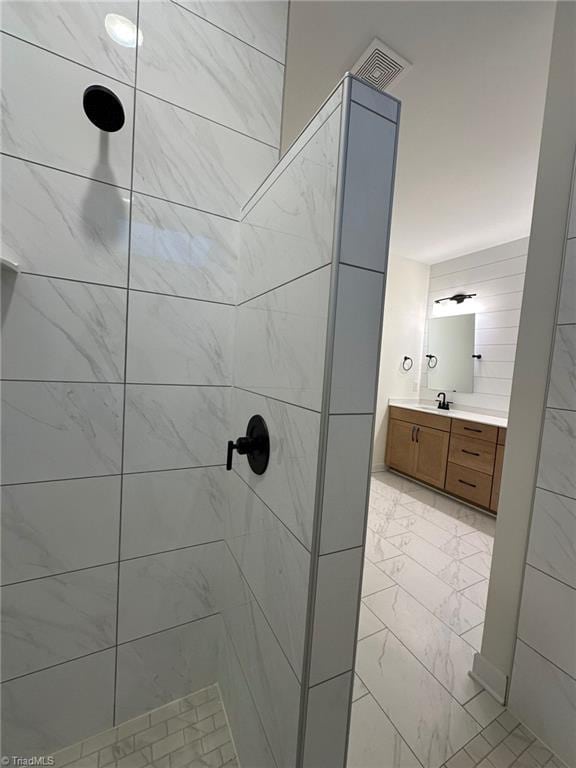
<point x="490" y="677"/>
<point x="378" y="467"/>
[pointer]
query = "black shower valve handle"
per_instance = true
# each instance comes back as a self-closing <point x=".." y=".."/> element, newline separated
<point x="255" y="445"/>
<point x="243" y="445"/>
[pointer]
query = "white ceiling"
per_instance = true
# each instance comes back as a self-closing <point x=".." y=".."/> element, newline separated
<point x="472" y="108"/>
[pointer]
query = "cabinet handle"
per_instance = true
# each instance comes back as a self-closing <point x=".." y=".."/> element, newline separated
<point x="470" y="453"/>
<point x="417" y="433"/>
<point x="472" y="485"/>
<point x="471" y="429"/>
<point x="412" y="438"/>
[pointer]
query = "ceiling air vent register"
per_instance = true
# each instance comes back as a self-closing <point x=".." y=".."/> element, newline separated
<point x="380" y="66"/>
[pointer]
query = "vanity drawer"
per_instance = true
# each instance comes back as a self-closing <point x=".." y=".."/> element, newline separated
<point x="474" y="429"/>
<point x="469" y="484"/>
<point x="471" y="453"/>
<point x="421" y="418"/>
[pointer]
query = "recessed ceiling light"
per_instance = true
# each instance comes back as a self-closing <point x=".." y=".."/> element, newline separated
<point x="122" y="30"/>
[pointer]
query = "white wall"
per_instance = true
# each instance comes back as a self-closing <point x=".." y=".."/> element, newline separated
<point x="543" y="690"/>
<point x="117" y="341"/>
<point x="529" y="391"/>
<point x="403" y="334"/>
<point x="496" y="275"/>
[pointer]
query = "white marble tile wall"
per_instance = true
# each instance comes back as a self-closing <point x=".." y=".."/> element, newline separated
<point x="158" y="669"/>
<point x="244" y="92"/>
<point x="87" y="242"/>
<point x="275" y="565"/>
<point x="543" y="688"/>
<point x="271" y="681"/>
<point x="118" y="337"/>
<point x="281" y="340"/>
<point x="496" y="275"/>
<point x="37" y="83"/>
<point x="261" y="24"/>
<point x="288" y="485"/>
<point x="202" y="164"/>
<point x="52" y="528"/>
<point x="327" y="719"/>
<point x="171" y="509"/>
<point x="51" y="620"/>
<point x="179" y="251"/>
<point x="35" y="721"/>
<point x="354" y="341"/>
<point x="75" y="31"/>
<point x="281" y="320"/>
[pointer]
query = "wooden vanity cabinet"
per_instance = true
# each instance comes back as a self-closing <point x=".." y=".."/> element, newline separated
<point x="417" y="447"/>
<point x="463" y="458"/>
<point x="400" y="448"/>
<point x="495" y="497"/>
<point x="431" y="455"/>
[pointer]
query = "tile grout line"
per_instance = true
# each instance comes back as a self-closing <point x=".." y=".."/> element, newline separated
<point x="553" y="663"/>
<point x="264" y="614"/>
<point x="205" y="117"/>
<point x="283" y="285"/>
<point x="105" y="564"/>
<point x="419" y="661"/>
<point x="66" y="58"/>
<point x="111" y="474"/>
<point x="123" y="439"/>
<point x="110" y="648"/>
<point x="227" y="32"/>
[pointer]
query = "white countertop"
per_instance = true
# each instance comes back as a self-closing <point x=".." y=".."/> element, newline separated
<point x="494" y="418"/>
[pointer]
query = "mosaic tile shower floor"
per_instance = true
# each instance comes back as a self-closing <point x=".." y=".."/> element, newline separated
<point x="191" y="732"/>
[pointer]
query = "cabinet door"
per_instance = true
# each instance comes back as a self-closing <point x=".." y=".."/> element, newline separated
<point x="400" y="450"/>
<point x="431" y="455"/>
<point x="497" y="478"/>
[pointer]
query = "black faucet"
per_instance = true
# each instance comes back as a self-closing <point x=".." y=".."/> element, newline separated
<point x="443" y="404"/>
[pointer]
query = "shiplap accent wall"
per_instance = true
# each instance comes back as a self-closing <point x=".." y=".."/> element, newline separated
<point x="496" y="275"/>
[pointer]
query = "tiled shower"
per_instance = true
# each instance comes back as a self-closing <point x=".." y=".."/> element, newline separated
<point x="176" y="279"/>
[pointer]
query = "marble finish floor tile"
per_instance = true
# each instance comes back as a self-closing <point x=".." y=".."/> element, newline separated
<point x="374" y="579"/>
<point x="480" y="562"/>
<point x="451" y="607"/>
<point x="483" y="542"/>
<point x="360" y="689"/>
<point x="477" y="593"/>
<point x="484" y="708"/>
<point x="455" y="546"/>
<point x="192" y="731"/>
<point x="368" y="623"/>
<point x="416" y="640"/>
<point x="429" y="719"/>
<point x="453" y="572"/>
<point x="388" y="507"/>
<point x="474" y="636"/>
<point x="438" y="648"/>
<point x="377" y="548"/>
<point x="444" y="513"/>
<point x="374" y="741"/>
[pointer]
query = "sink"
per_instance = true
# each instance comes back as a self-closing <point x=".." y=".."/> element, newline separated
<point x="430" y="408"/>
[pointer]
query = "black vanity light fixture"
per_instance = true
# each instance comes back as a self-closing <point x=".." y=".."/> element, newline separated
<point x="458" y="298"/>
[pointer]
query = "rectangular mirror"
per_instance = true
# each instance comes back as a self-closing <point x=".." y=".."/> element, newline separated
<point x="451" y="342"/>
